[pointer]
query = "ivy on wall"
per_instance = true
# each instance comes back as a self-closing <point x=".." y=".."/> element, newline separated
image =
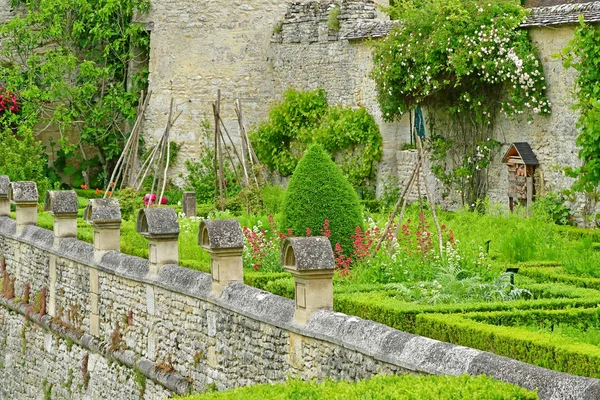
<point x="470" y="59"/>
<point x="583" y="54"/>
<point x="351" y="136"/>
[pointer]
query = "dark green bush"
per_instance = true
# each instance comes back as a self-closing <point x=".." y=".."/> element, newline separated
<point x="351" y="135"/>
<point x="317" y="192"/>
<point x="405" y="387"/>
<point x="545" y="350"/>
<point x="552" y="206"/>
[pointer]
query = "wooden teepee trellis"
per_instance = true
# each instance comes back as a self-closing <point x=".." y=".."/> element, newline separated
<point x="245" y="158"/>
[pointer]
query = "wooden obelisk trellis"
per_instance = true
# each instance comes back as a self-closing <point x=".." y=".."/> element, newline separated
<point x="246" y="159"/>
<point x="417" y="171"/>
<point x="124" y="170"/>
<point x="156" y="163"/>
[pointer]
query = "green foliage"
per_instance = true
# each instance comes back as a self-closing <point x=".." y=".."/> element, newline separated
<point x="272" y="197"/>
<point x="317" y="192"/>
<point x="23" y="158"/>
<point x="200" y="176"/>
<point x="465" y="60"/>
<point x="333" y="21"/>
<point x="388" y="309"/>
<point x="351" y="136"/>
<point x="458" y="46"/>
<point x="553" y="207"/>
<point x="405" y="387"/>
<point x="547" y="351"/>
<point x="79" y="82"/>
<point x="520" y="246"/>
<point x="130" y="202"/>
<point x="583" y="54"/>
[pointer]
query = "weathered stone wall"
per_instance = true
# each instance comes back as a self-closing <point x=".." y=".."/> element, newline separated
<point x="254" y="51"/>
<point x="166" y="334"/>
<point x="6" y="11"/>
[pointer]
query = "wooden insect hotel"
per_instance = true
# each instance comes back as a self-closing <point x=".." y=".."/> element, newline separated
<point x="521" y="162"/>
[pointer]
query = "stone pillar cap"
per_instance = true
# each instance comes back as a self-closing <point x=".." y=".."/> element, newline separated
<point x="4" y="186"/>
<point x="220" y="234"/>
<point x="102" y="212"/>
<point x="156" y="223"/>
<point x="23" y="193"/>
<point x="307" y="254"/>
<point x="61" y="202"/>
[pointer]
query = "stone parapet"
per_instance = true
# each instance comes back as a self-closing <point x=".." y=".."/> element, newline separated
<point x="161" y="227"/>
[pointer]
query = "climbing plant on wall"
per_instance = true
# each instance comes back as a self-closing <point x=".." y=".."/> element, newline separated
<point x="351" y="136"/>
<point x="470" y="60"/>
<point x="68" y="62"/>
<point x="583" y="54"/>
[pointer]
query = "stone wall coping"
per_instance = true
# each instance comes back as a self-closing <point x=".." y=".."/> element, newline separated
<point x="307" y="253"/>
<point x="158" y="222"/>
<point x="61" y="203"/>
<point x="379" y="341"/>
<point x="4" y="186"/>
<point x="23" y="193"/>
<point x="220" y="234"/>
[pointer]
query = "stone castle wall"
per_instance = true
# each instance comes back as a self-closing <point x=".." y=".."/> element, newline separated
<point x="255" y="51"/>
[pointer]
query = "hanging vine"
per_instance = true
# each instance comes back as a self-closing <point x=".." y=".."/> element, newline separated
<point x="467" y="61"/>
<point x="583" y="54"/>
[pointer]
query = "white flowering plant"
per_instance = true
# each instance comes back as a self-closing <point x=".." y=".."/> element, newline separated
<point x="465" y="47"/>
<point x="466" y="62"/>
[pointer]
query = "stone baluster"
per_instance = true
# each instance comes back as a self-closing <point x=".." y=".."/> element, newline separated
<point x="161" y="227"/>
<point x="105" y="216"/>
<point x="224" y="241"/>
<point x="24" y="196"/>
<point x="4" y="200"/>
<point x="310" y="261"/>
<point x="63" y="206"/>
<point x="189" y="204"/>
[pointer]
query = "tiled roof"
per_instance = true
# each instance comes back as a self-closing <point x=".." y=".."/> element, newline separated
<point x="563" y="14"/>
<point x="540" y="16"/>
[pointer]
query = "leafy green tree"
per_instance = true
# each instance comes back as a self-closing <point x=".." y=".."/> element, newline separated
<point x="23" y="158"/>
<point x="69" y="64"/>
<point x="318" y="191"/>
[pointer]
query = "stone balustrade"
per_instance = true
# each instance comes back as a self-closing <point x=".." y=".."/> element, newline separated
<point x="179" y="330"/>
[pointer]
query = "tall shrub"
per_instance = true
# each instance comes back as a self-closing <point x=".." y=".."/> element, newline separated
<point x="350" y="135"/>
<point x="318" y="191"/>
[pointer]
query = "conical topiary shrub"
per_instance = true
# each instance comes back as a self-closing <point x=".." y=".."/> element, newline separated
<point x="318" y="191"/>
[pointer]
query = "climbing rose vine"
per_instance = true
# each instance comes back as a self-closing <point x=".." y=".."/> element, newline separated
<point x="463" y="47"/>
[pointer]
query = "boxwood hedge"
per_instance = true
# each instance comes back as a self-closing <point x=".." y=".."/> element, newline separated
<point x="405" y="387"/>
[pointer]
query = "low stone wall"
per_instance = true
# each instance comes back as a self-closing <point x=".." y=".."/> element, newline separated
<point x="98" y="327"/>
